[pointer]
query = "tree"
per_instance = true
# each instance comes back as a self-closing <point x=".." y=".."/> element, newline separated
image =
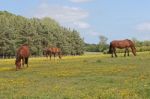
<point x="91" y="47"/>
<point x="38" y="33"/>
<point x="103" y="43"/>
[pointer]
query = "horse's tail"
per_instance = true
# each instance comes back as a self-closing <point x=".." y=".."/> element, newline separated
<point x="26" y="60"/>
<point x="110" y="48"/>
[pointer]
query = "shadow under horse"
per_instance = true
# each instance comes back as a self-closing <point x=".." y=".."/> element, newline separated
<point x="53" y="51"/>
<point x="122" y="44"/>
<point x="22" y="56"/>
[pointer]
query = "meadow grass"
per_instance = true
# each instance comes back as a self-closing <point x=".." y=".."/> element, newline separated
<point x="91" y="76"/>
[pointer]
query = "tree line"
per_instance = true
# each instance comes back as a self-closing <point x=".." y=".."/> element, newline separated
<point x="16" y="30"/>
<point x="103" y="45"/>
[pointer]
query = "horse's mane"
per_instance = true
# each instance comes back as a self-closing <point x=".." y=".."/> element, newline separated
<point x="128" y="40"/>
<point x="131" y="42"/>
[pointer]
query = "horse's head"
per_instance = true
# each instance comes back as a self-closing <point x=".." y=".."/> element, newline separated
<point x="132" y="47"/>
<point x="45" y="52"/>
<point x="18" y="62"/>
<point x="133" y="50"/>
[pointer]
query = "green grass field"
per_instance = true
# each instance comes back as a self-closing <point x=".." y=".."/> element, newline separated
<point x="91" y="76"/>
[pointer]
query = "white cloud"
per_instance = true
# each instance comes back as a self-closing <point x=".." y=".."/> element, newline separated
<point x="143" y="27"/>
<point x="93" y="33"/>
<point x="81" y="24"/>
<point x="68" y="16"/>
<point x="80" y="1"/>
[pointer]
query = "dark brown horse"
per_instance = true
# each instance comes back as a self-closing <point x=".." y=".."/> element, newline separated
<point x="53" y="51"/>
<point x="22" y="56"/>
<point x="122" y="44"/>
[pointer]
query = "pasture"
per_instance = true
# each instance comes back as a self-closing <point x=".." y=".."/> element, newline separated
<point x="91" y="76"/>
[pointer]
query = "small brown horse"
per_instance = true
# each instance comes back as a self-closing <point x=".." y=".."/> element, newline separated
<point x="23" y="54"/>
<point x="53" y="50"/>
<point x="122" y="44"/>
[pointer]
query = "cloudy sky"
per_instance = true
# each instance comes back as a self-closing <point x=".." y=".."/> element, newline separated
<point x="115" y="19"/>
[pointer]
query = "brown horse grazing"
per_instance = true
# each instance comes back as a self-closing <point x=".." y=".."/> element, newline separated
<point x="53" y="50"/>
<point x="122" y="44"/>
<point x="23" y="54"/>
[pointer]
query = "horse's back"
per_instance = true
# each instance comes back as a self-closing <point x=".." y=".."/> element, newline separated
<point x="58" y="50"/>
<point x="24" y="51"/>
<point x="121" y="43"/>
<point x="55" y="49"/>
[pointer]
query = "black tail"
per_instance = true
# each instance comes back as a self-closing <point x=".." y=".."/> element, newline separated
<point x="110" y="50"/>
<point x="26" y="60"/>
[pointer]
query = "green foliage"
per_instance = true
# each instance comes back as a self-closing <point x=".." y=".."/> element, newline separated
<point x="143" y="48"/>
<point x="38" y="33"/>
<point x="91" y="47"/>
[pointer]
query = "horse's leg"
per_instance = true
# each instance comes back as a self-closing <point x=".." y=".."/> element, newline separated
<point x="125" y="52"/>
<point x="23" y="60"/>
<point x="115" y="52"/>
<point x="19" y="66"/>
<point x="26" y="61"/>
<point x="47" y="56"/>
<point x="50" y="55"/>
<point x="59" y="55"/>
<point x="112" y="53"/>
<point x="128" y="51"/>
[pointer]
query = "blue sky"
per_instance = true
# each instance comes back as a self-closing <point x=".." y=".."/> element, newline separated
<point x="115" y="19"/>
